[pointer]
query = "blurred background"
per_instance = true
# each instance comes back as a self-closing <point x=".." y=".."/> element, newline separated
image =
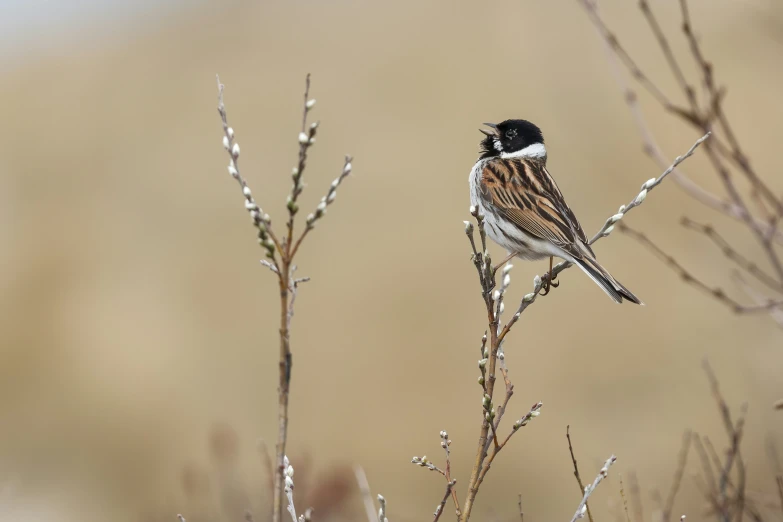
<point x="138" y="331"/>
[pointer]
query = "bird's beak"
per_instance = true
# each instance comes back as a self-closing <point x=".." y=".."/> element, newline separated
<point x="488" y="133"/>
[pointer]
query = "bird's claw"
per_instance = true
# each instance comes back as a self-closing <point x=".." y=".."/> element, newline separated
<point x="549" y="284"/>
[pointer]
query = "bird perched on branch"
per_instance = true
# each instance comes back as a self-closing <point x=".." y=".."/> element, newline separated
<point x="524" y="210"/>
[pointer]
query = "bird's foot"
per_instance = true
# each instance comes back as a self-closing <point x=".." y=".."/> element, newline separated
<point x="549" y="280"/>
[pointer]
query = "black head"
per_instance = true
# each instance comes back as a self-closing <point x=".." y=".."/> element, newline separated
<point x="509" y="136"/>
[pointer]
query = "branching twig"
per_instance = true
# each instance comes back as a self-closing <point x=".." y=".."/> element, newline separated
<point x="439" y="509"/>
<point x="576" y="471"/>
<point x="280" y="252"/>
<point x="582" y="508"/>
<point x="744" y="263"/>
<point x="688" y="277"/>
<point x="726" y="157"/>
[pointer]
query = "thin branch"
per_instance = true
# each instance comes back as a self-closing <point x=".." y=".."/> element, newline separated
<point x="766" y="229"/>
<point x="328" y="199"/>
<point x="261" y="220"/>
<point x="439" y="509"/>
<point x="744" y="263"/>
<point x="576" y="470"/>
<point x="711" y="484"/>
<point x="306" y="140"/>
<point x="630" y="64"/>
<point x="445" y="443"/>
<point x="663" y="42"/>
<point x="283" y="268"/>
<point x="682" y="460"/>
<point x="582" y="508"/>
<point x="688" y="277"/>
<point x="758" y="298"/>
<point x="716" y="96"/>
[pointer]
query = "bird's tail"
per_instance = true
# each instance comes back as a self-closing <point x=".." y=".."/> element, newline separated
<point x="605" y="280"/>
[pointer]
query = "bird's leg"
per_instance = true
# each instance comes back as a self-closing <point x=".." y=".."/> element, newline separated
<point x="550" y="280"/>
<point x="500" y="265"/>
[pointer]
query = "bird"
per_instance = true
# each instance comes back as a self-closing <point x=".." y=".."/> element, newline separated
<point x="525" y="211"/>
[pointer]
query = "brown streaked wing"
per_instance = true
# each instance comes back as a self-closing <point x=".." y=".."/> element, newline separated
<point x="524" y="193"/>
<point x="575" y="225"/>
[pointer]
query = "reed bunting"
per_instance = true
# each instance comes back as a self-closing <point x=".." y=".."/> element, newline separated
<point x="524" y="210"/>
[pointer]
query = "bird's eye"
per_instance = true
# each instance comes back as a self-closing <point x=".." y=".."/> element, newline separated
<point x="511" y="133"/>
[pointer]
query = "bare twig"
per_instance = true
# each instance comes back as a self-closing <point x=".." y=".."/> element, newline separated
<point x="439" y="509"/>
<point x="725" y="156"/>
<point x="718" y="293"/>
<point x="281" y="252"/>
<point x="582" y="508"/>
<point x="576" y="471"/>
<point x="682" y="460"/>
<point x="743" y="262"/>
<point x="424" y="462"/>
<point x="758" y="298"/>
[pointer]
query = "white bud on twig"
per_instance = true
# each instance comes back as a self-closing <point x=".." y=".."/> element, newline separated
<point x="235" y="150"/>
<point x="641" y="196"/>
<point x="226" y="143"/>
<point x="617" y="217"/>
<point x="233" y="171"/>
<point x="648" y="184"/>
<point x="246" y="191"/>
<point x="310" y="104"/>
<point x="303" y="138"/>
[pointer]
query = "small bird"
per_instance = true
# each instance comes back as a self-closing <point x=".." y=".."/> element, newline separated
<point x="524" y="210"/>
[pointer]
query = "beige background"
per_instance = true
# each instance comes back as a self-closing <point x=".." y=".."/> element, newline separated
<point x="134" y="314"/>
